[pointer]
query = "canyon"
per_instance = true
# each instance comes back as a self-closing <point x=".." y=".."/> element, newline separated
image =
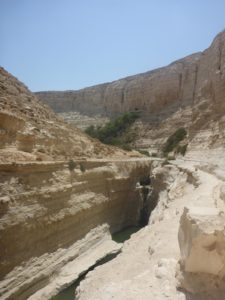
<point x="63" y="194"/>
<point x="187" y="93"/>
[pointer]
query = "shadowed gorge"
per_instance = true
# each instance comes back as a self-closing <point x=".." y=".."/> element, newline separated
<point x="115" y="224"/>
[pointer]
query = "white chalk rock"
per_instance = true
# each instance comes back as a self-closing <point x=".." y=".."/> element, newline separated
<point x="202" y="240"/>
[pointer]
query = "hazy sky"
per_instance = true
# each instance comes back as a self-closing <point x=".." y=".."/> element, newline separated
<point x="70" y="44"/>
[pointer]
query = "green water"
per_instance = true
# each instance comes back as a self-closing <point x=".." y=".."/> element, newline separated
<point x="67" y="294"/>
<point x="119" y="237"/>
<point x="123" y="235"/>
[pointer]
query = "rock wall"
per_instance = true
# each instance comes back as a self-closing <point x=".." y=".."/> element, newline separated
<point x="155" y="92"/>
<point x="29" y="130"/>
<point x="188" y="93"/>
<point x="202" y="240"/>
<point x="148" y="266"/>
<point x="46" y="207"/>
<point x="51" y="213"/>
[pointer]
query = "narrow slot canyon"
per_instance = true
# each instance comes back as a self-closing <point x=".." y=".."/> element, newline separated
<point x="119" y="237"/>
<point x="85" y="213"/>
<point x="69" y="292"/>
<point x="146" y="206"/>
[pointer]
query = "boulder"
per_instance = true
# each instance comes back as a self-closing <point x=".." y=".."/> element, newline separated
<point x="202" y="246"/>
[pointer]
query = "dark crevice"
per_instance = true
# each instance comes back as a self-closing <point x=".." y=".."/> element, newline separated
<point x="149" y="201"/>
<point x="123" y="97"/>
<point x="70" y="292"/>
<point x="195" y="83"/>
<point x="180" y="91"/>
<point x="145" y="180"/>
<point x="220" y="56"/>
<point x="145" y="212"/>
<point x="147" y="204"/>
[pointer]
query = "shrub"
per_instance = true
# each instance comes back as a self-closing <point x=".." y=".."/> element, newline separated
<point x="90" y="130"/>
<point x="112" y="131"/>
<point x="126" y="147"/>
<point x="182" y="149"/>
<point x="153" y="154"/>
<point x="144" y="152"/>
<point x="71" y="165"/>
<point x="82" y="168"/>
<point x="174" y="140"/>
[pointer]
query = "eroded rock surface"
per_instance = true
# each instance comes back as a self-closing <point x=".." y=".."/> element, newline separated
<point x="148" y="265"/>
<point x="29" y="130"/>
<point x="188" y="93"/>
<point x="56" y="194"/>
<point x="53" y="213"/>
<point x="202" y="244"/>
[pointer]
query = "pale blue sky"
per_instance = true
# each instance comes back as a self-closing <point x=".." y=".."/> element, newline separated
<point x="71" y="44"/>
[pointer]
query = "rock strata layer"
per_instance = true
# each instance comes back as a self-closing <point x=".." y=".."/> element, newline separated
<point x="47" y="207"/>
<point x="148" y="267"/>
<point x="29" y="130"/>
<point x="202" y="244"/>
<point x="62" y="193"/>
<point x="59" y="201"/>
<point x="188" y="93"/>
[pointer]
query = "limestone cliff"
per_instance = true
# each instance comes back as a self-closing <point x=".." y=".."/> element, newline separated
<point x="58" y="200"/>
<point x="62" y="193"/>
<point x="45" y="208"/>
<point x="153" y="92"/>
<point x="29" y="130"/>
<point x="189" y="92"/>
<point x="148" y="267"/>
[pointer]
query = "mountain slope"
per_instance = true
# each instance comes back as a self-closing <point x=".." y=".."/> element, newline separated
<point x="31" y="131"/>
<point x="188" y="93"/>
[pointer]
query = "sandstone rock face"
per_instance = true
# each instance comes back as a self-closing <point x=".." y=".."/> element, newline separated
<point x="53" y="211"/>
<point x="46" y="207"/>
<point x="30" y="130"/>
<point x="202" y="244"/>
<point x="56" y="217"/>
<point x="82" y="121"/>
<point x="201" y="239"/>
<point x="188" y="93"/>
<point x="154" y="92"/>
<point x="85" y="253"/>
<point x="147" y="267"/>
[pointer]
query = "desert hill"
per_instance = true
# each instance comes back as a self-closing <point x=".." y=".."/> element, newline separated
<point x="187" y="93"/>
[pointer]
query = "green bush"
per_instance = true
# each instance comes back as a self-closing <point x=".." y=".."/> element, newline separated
<point x="82" y="168"/>
<point x="90" y="130"/>
<point x="174" y="140"/>
<point x="144" y="152"/>
<point x="71" y="165"/>
<point x="182" y="149"/>
<point x="112" y="132"/>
